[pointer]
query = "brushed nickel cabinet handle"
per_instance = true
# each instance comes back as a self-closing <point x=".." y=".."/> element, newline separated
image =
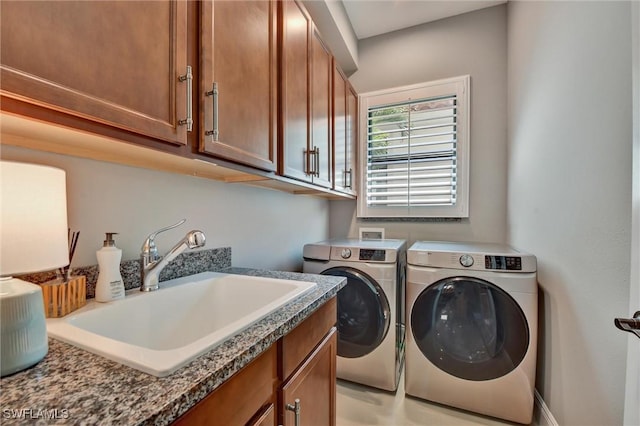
<point x="296" y="411"/>
<point x="188" y="77"/>
<point x="317" y="159"/>
<point x="214" y="93"/>
<point x="309" y="164"/>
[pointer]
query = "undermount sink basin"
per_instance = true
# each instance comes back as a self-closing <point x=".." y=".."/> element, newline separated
<point x="161" y="331"/>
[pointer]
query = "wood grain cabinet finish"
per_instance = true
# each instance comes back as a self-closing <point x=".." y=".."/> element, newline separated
<point x="308" y="369"/>
<point x="345" y="122"/>
<point x="352" y="139"/>
<point x="246" y="398"/>
<point x="345" y="102"/>
<point x="321" y="142"/>
<point x="306" y="142"/>
<point x="239" y="91"/>
<point x="112" y="62"/>
<point x="295" y="85"/>
<point x="340" y="167"/>
<point x="313" y="386"/>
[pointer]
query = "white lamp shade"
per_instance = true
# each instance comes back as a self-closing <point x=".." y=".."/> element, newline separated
<point x="33" y="227"/>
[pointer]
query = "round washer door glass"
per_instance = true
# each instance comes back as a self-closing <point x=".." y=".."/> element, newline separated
<point x="470" y="328"/>
<point x="363" y="313"/>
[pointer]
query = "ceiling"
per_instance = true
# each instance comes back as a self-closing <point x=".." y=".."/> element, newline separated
<point x="373" y="17"/>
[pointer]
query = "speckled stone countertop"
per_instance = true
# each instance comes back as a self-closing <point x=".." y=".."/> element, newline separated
<point x="72" y="386"/>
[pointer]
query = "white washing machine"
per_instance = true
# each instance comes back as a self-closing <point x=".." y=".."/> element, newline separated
<point x="472" y="314"/>
<point x="370" y="307"/>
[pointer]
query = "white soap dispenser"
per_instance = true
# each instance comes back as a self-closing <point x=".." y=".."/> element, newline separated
<point x="110" y="286"/>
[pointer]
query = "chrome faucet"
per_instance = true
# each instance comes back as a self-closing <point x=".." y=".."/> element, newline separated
<point x="152" y="263"/>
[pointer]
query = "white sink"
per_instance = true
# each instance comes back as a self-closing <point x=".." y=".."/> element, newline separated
<point x="161" y="331"/>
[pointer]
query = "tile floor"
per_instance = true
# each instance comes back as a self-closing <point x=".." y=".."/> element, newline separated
<point x="358" y="405"/>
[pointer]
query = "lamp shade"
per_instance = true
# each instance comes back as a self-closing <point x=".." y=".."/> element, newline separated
<point x="33" y="225"/>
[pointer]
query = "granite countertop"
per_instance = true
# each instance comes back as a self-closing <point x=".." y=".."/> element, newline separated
<point x="73" y="386"/>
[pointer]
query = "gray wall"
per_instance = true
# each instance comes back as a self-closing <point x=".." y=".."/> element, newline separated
<point x="264" y="228"/>
<point x="570" y="194"/>
<point x="476" y="44"/>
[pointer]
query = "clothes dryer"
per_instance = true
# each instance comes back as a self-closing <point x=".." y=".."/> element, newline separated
<point x="370" y="307"/>
<point x="472" y="327"/>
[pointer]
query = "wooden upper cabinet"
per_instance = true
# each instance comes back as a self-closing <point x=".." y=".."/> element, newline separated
<point x="352" y="139"/>
<point x="306" y="99"/>
<point x="321" y="135"/>
<point x="238" y="81"/>
<point x="113" y="62"/>
<point x="345" y="122"/>
<point x="296" y="31"/>
<point x="340" y="181"/>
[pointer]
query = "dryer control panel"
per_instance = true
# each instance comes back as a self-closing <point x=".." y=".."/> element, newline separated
<point x="360" y="254"/>
<point x="470" y="256"/>
<point x="505" y="263"/>
<point x="372" y="255"/>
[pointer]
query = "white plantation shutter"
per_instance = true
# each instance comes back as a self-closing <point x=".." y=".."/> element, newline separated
<point x="414" y="159"/>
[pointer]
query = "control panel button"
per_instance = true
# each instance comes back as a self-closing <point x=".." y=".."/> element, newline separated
<point x="346" y="253"/>
<point x="466" y="260"/>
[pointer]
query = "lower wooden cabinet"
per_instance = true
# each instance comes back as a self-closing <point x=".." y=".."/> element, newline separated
<point x="265" y="417"/>
<point x="300" y="366"/>
<point x="242" y="399"/>
<point x="308" y="396"/>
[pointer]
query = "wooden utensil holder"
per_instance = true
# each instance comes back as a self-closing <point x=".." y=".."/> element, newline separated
<point x="62" y="296"/>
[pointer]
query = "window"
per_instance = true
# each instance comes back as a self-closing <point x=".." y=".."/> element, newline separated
<point x="414" y="156"/>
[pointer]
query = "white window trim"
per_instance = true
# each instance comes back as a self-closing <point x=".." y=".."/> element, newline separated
<point x="460" y="86"/>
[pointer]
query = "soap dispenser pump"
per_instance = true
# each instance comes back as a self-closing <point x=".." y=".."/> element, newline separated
<point x="109" y="286"/>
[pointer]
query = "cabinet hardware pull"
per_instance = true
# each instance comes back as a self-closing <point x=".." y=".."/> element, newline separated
<point x="296" y="411"/>
<point x="310" y="164"/>
<point x="188" y="77"/>
<point x="317" y="158"/>
<point x="214" y="92"/>
<point x="349" y="182"/>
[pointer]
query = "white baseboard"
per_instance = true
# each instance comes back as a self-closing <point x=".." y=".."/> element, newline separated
<point x="541" y="413"/>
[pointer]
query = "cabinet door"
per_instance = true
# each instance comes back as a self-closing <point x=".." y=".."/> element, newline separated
<point x="339" y="130"/>
<point x="246" y="398"/>
<point x="296" y="30"/>
<point x="314" y="385"/>
<point x="113" y="62"/>
<point x="321" y="135"/>
<point x="352" y="139"/>
<point x="239" y="81"/>
<point x="267" y="417"/>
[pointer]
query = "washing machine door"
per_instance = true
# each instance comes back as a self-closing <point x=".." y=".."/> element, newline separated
<point x="363" y="313"/>
<point x="469" y="328"/>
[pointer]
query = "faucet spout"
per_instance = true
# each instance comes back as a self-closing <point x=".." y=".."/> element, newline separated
<point x="152" y="264"/>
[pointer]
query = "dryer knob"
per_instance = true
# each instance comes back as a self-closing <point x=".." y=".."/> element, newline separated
<point x="466" y="260"/>
<point x="346" y="253"/>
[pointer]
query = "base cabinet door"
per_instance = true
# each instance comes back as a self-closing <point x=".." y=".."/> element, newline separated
<point x="308" y="396"/>
<point x="122" y="64"/>
<point x="247" y="398"/>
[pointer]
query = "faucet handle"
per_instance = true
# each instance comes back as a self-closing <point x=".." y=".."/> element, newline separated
<point x="149" y="248"/>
